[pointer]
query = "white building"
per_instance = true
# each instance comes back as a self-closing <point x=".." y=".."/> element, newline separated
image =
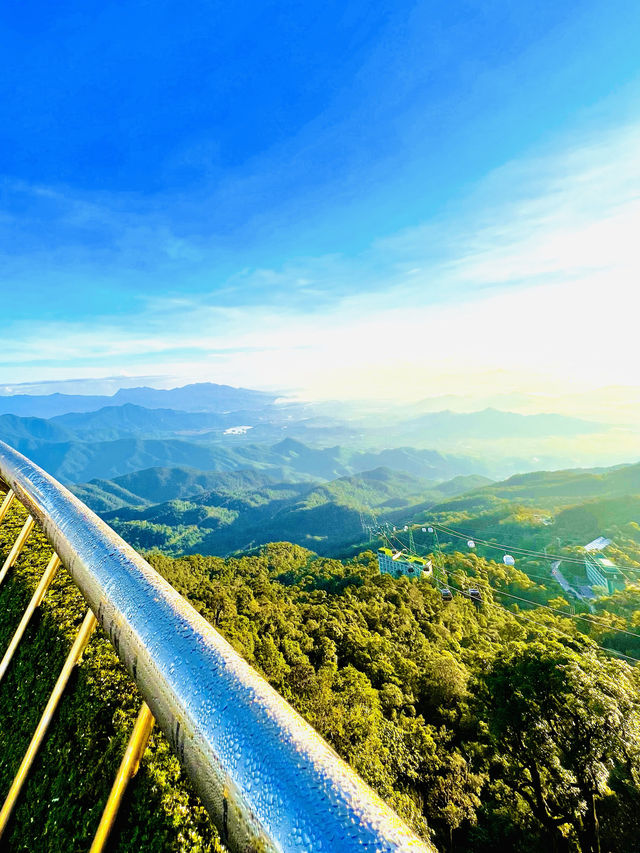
<point x="602" y="572"/>
<point x="397" y="563"/>
<point x="597" y="544"/>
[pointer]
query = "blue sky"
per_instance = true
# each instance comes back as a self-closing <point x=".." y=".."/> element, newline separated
<point x="257" y="193"/>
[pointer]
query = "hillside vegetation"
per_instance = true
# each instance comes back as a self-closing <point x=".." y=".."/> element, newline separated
<point x="221" y="513"/>
<point x="554" y="487"/>
<point x="483" y="731"/>
<point x="242" y="510"/>
<point x="558" y="510"/>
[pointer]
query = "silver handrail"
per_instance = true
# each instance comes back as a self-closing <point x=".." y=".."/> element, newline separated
<point x="268" y="779"/>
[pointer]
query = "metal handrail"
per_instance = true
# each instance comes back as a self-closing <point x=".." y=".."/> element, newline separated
<point x="267" y="778"/>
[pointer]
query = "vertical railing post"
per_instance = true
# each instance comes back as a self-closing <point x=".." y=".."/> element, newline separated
<point x="127" y="770"/>
<point x="78" y="647"/>
<point x="36" y="599"/>
<point x="6" y="503"/>
<point x="18" y="545"/>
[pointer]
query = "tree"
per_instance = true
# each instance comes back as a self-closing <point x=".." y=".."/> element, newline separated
<point x="561" y="723"/>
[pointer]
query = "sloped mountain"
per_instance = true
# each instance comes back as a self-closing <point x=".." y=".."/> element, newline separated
<point x="111" y="423"/>
<point x="156" y="485"/>
<point x="241" y="513"/>
<point x="546" y="509"/>
<point x="332" y="462"/>
<point x="31" y="432"/>
<point x="49" y="405"/>
<point x="75" y="461"/>
<point x="561" y="487"/>
<point x="198" y="397"/>
<point x="541" y="497"/>
<point x="79" y="461"/>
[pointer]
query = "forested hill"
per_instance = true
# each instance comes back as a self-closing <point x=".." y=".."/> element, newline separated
<point x="239" y="511"/>
<point x="483" y="730"/>
<point x="553" y="487"/>
<point x="180" y="510"/>
<point x="549" y="509"/>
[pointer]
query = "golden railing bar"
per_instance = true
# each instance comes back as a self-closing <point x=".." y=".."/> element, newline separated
<point x="78" y="647"/>
<point x="18" y="545"/>
<point x="127" y="770"/>
<point x="38" y="595"/>
<point x="6" y="503"/>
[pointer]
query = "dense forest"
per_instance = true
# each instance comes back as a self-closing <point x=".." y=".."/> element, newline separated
<point x="245" y="509"/>
<point x="484" y="729"/>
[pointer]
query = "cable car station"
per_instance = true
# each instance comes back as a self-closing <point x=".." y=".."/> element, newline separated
<point x="398" y="563"/>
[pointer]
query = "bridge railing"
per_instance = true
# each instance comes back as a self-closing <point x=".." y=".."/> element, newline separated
<point x="267" y="778"/>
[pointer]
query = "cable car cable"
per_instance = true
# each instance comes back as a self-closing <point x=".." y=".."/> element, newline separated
<point x="525" y="551"/>
<point x="553" y="628"/>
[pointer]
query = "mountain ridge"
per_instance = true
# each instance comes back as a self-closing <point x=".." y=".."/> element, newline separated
<point x="197" y="397"/>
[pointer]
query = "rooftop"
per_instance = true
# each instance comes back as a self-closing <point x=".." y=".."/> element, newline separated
<point x="405" y="558"/>
<point x="597" y="544"/>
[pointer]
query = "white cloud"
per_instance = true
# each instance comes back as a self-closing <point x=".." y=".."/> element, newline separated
<point x="533" y="280"/>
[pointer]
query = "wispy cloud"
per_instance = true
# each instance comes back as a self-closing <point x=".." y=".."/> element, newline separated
<point x="538" y="219"/>
<point x="535" y="273"/>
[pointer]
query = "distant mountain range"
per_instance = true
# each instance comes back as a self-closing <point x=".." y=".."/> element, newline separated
<point x="621" y="403"/>
<point x="200" y="397"/>
<point x="113" y="422"/>
<point x="211" y="427"/>
<point x="213" y="468"/>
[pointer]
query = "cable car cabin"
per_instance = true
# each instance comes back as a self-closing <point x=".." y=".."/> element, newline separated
<point x="397" y="564"/>
<point x="446" y="594"/>
<point x="475" y="595"/>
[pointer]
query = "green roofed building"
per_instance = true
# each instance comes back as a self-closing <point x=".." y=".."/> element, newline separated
<point x="602" y="572"/>
<point x="397" y="563"/>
